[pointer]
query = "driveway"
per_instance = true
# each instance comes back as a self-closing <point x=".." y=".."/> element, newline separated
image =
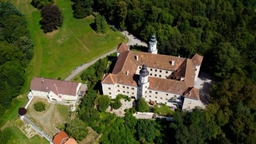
<point x="132" y="41"/>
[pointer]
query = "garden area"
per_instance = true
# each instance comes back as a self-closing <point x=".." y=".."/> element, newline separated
<point x="48" y="116"/>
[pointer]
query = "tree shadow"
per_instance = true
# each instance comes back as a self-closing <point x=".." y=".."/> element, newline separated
<point x="139" y="48"/>
<point x="93" y="26"/>
<point x="204" y="92"/>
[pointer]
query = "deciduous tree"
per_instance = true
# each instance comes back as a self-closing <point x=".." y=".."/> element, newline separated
<point x="52" y="18"/>
<point x="77" y="129"/>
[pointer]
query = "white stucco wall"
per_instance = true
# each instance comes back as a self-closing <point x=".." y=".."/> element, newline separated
<point x="197" y="70"/>
<point x="154" y="72"/>
<point x="126" y="90"/>
<point x="110" y="90"/>
<point x="190" y="104"/>
<point x="160" y="96"/>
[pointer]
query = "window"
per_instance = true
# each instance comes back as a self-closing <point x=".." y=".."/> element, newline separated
<point x="110" y="93"/>
<point x="155" y="96"/>
<point x="133" y="93"/>
<point x="140" y="67"/>
<point x="151" y="74"/>
<point x="127" y="87"/>
<point x="161" y="98"/>
<point x="166" y="72"/>
<point x="123" y="86"/>
<point x="155" y="75"/>
<point x="156" y="70"/>
<point x="156" y="92"/>
<point x="166" y="94"/>
<point x="118" y="86"/>
<point x="150" y="91"/>
<point x="149" y="95"/>
<point x="166" y="98"/>
<point x="160" y="70"/>
<point x="151" y="69"/>
<point x="127" y="92"/>
<point x="118" y="90"/>
<point x="109" y="88"/>
<point x="160" y="76"/>
<point x="123" y="91"/>
<point x="132" y="88"/>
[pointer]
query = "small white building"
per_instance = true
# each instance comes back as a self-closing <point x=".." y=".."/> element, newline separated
<point x="63" y="92"/>
<point x="157" y="78"/>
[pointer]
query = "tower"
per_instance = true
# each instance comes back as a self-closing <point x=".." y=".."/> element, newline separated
<point x="152" y="45"/>
<point x="143" y="82"/>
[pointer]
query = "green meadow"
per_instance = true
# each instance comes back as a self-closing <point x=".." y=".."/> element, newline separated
<point x="56" y="54"/>
<point x="59" y="52"/>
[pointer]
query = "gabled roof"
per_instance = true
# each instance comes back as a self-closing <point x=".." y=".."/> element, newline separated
<point x="71" y="141"/>
<point x="197" y="59"/>
<point x="60" y="138"/>
<point x="192" y="93"/>
<point x="57" y="86"/>
<point x="125" y="68"/>
<point x="122" y="47"/>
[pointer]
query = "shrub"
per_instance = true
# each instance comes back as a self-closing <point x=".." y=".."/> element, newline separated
<point x="116" y="105"/>
<point x="39" y="106"/>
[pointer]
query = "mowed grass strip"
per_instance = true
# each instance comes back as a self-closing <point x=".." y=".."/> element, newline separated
<point x="59" y="52"/>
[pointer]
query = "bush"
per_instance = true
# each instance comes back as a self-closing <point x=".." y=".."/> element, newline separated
<point x="39" y="106"/>
<point x="116" y="105"/>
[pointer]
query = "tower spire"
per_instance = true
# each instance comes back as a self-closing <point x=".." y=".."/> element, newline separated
<point x="152" y="44"/>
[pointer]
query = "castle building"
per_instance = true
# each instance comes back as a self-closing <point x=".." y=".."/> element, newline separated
<point x="156" y="78"/>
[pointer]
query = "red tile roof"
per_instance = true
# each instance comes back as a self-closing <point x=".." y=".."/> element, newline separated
<point x="60" y="138"/>
<point x="125" y="68"/>
<point x="57" y="86"/>
<point x="197" y="59"/>
<point x="192" y="93"/>
<point x="122" y="47"/>
<point x="71" y="141"/>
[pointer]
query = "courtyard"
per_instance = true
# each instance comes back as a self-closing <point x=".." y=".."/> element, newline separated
<point x="54" y="116"/>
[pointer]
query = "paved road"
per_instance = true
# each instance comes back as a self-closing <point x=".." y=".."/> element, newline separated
<point x="85" y="66"/>
<point x="132" y="41"/>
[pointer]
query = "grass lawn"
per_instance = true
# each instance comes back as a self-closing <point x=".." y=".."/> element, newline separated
<point x="163" y="110"/>
<point x="59" y="52"/>
<point x="18" y="137"/>
<point x="56" y="54"/>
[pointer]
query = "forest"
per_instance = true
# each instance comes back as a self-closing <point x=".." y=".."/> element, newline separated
<point x="224" y="33"/>
<point x="16" y="51"/>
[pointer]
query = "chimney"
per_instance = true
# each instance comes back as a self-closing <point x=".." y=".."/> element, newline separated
<point x="137" y="58"/>
<point x="127" y="72"/>
<point x="172" y="63"/>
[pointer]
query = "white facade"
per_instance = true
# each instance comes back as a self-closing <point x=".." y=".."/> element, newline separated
<point x="197" y="67"/>
<point x="113" y="90"/>
<point x="63" y="92"/>
<point x="189" y="104"/>
<point x="152" y="47"/>
<point x="166" y="79"/>
<point x="155" y="72"/>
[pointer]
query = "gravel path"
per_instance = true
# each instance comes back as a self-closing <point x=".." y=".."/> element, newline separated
<point x="132" y="41"/>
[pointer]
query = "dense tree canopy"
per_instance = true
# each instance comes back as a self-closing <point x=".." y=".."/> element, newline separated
<point x="41" y="3"/>
<point x="77" y="129"/>
<point x="100" y="24"/>
<point x="82" y="8"/>
<point x="16" y="50"/>
<point x="52" y="18"/>
<point x="221" y="30"/>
